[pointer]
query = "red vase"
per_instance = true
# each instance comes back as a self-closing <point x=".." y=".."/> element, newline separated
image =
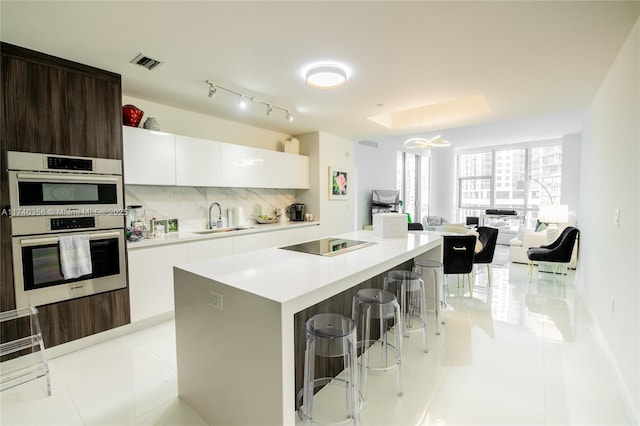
<point x="131" y="115"/>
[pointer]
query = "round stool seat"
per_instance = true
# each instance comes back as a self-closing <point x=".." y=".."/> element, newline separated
<point x="330" y="335"/>
<point x="426" y="263"/>
<point x="375" y="303"/>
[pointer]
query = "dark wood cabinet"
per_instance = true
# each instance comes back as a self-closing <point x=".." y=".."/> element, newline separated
<point x="59" y="107"/>
<point x="55" y="106"/>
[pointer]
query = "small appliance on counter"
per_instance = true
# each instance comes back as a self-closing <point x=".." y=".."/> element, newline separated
<point x="136" y="227"/>
<point x="296" y="212"/>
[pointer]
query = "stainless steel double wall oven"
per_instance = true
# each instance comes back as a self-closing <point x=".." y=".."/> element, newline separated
<point x="53" y="196"/>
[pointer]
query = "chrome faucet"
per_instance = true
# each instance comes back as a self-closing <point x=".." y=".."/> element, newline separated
<point x="212" y="222"/>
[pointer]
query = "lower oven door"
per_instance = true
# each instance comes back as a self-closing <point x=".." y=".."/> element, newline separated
<point x="37" y="272"/>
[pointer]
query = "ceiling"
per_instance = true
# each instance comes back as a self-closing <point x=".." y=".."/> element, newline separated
<point x="524" y="58"/>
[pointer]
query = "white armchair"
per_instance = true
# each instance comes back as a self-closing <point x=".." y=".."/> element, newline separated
<point x="523" y="240"/>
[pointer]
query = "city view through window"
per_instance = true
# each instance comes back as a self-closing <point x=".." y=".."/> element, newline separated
<point x="412" y="181"/>
<point x="514" y="178"/>
<point x="519" y="179"/>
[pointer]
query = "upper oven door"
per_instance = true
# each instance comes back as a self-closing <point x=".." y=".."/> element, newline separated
<point x="49" y="193"/>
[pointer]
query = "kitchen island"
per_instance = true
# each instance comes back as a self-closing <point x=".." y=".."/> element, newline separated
<point x="235" y="318"/>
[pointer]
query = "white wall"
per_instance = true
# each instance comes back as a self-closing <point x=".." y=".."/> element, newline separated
<point x="375" y="169"/>
<point x="442" y="183"/>
<point x="569" y="190"/>
<point x="324" y="150"/>
<point x="189" y="123"/>
<point x="609" y="254"/>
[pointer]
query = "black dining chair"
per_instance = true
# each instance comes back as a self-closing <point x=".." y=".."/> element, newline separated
<point x="457" y="257"/>
<point x="558" y="252"/>
<point x="416" y="226"/>
<point x="488" y="237"/>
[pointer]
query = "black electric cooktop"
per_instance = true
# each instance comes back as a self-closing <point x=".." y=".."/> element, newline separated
<point x="328" y="246"/>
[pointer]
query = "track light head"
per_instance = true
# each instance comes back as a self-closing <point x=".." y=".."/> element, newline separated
<point x="269" y="110"/>
<point x="212" y="91"/>
<point x="289" y="117"/>
<point x="242" y="103"/>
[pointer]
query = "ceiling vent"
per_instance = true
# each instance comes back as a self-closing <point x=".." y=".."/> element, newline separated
<point x="145" y="61"/>
<point x="372" y="144"/>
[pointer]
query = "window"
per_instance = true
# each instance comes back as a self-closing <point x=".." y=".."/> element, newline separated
<point x="412" y="181"/>
<point x="531" y="176"/>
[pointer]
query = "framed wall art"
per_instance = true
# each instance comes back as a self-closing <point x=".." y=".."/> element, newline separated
<point x="338" y="183"/>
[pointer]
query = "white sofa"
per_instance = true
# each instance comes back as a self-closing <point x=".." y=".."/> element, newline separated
<point x="505" y="231"/>
<point x="525" y="239"/>
<point x="439" y="223"/>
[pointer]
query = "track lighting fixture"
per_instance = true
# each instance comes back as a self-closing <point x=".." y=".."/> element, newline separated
<point x="243" y="100"/>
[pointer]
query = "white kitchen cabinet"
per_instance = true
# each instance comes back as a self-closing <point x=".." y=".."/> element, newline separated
<point x="248" y="167"/>
<point x="151" y="273"/>
<point x="155" y="158"/>
<point x="149" y="157"/>
<point x="197" y="162"/>
<point x="151" y="279"/>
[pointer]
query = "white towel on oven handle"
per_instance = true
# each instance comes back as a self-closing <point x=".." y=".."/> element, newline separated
<point x="75" y="256"/>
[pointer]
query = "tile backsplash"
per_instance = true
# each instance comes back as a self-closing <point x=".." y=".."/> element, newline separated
<point x="190" y="205"/>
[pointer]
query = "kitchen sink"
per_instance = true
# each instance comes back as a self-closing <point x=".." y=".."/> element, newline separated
<point x="218" y="230"/>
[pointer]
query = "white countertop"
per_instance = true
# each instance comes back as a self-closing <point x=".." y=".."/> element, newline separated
<point x="188" y="236"/>
<point x="283" y="275"/>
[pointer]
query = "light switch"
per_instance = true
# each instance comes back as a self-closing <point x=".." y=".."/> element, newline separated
<point x="616" y="217"/>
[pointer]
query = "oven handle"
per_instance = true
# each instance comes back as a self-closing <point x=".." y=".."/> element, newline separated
<point x="53" y="240"/>
<point x="70" y="177"/>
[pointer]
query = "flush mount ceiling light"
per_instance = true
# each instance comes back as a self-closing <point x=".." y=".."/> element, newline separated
<point x="326" y="77"/>
<point x="243" y="100"/>
<point x="436" y="141"/>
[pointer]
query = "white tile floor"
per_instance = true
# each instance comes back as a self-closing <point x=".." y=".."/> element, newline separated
<point x="517" y="353"/>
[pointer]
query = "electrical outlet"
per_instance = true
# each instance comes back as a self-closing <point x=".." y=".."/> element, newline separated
<point x="215" y="299"/>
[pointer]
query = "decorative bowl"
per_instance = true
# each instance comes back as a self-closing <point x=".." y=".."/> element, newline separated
<point x="263" y="220"/>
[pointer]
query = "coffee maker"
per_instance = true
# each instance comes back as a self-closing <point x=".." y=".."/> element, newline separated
<point x="296" y="212"/>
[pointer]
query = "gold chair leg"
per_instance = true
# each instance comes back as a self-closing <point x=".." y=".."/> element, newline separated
<point x="470" y="286"/>
<point x="489" y="273"/>
<point x="530" y="270"/>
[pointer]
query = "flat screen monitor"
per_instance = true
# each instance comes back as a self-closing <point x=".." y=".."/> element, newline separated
<point x="473" y="220"/>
